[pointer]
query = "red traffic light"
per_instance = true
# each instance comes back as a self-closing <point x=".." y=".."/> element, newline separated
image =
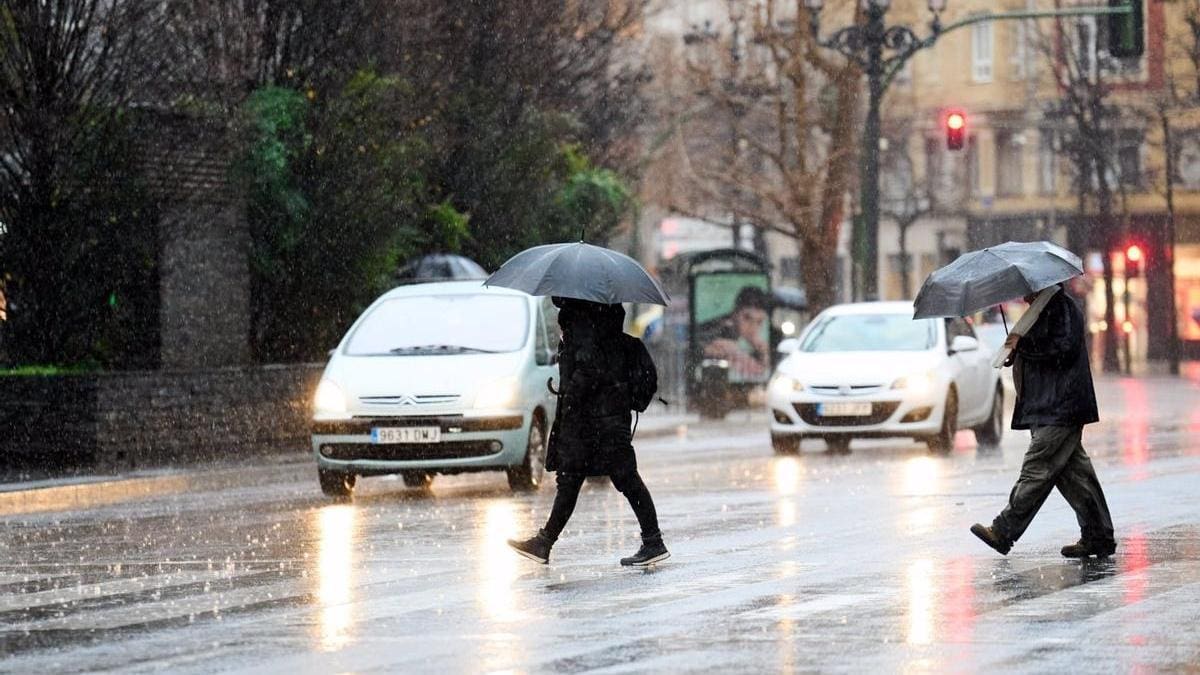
<point x="1133" y="253"/>
<point x="956" y="129"/>
<point x="1133" y="260"/>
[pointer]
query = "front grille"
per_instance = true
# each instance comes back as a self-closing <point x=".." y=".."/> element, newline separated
<point x="449" y="424"/>
<point x="880" y="411"/>
<point x="403" y="452"/>
<point x="409" y="399"/>
<point x="836" y="390"/>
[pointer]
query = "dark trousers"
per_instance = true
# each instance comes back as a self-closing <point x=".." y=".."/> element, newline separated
<point x="1056" y="459"/>
<point x="628" y="483"/>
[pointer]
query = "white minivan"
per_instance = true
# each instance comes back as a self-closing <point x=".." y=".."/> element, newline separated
<point x="439" y="378"/>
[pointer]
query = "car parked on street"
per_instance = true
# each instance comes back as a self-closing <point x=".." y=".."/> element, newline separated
<point x="438" y="378"/>
<point x="868" y="370"/>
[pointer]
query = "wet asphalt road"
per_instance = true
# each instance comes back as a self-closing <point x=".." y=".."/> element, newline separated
<point x="814" y="562"/>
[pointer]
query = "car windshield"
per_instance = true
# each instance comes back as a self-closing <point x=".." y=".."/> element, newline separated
<point x="442" y="324"/>
<point x="870" y="333"/>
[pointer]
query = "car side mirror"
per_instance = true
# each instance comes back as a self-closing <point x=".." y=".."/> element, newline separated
<point x="963" y="343"/>
<point x="788" y="345"/>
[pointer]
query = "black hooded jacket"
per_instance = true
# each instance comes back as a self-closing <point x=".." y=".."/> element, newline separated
<point x="591" y="433"/>
<point x="1051" y="372"/>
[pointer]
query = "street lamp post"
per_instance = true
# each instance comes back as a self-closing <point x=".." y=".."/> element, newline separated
<point x="865" y="45"/>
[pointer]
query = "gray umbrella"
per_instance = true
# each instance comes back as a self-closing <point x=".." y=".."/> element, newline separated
<point x="987" y="277"/>
<point x="580" y="271"/>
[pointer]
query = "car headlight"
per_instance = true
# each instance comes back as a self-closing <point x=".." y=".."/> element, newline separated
<point x="329" y="398"/>
<point x="920" y="383"/>
<point x="497" y="393"/>
<point x="782" y="385"/>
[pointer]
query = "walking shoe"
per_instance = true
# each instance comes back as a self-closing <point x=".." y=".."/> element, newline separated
<point x="1084" y="548"/>
<point x="536" y="548"/>
<point x="987" y="536"/>
<point x="652" y="551"/>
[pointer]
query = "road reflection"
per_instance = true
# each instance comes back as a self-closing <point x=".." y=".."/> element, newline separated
<point x="499" y="567"/>
<point x="336" y="527"/>
<point x="921" y="605"/>
<point x="1135" y="429"/>
<point x="786" y="474"/>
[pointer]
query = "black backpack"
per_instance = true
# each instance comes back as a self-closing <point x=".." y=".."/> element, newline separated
<point x="642" y="375"/>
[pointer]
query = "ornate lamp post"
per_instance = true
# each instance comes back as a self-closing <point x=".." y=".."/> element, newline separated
<point x="865" y="44"/>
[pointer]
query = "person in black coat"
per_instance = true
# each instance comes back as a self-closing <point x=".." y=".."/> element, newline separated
<point x="591" y="433"/>
<point x="1055" y="399"/>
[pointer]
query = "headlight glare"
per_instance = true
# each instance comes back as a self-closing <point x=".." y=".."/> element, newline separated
<point x="329" y="398"/>
<point x="782" y="385"/>
<point x="919" y="383"/>
<point x="497" y="393"/>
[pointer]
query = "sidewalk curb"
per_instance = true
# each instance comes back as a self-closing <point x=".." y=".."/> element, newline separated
<point x="116" y="489"/>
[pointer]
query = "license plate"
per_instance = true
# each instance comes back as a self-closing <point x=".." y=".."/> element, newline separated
<point x="406" y="435"/>
<point x="846" y="409"/>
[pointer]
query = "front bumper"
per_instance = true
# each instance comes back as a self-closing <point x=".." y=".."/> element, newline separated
<point x="894" y="413"/>
<point x="467" y="444"/>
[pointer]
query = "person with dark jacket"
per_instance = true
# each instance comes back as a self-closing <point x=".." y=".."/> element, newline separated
<point x="1055" y="398"/>
<point x="591" y="433"/>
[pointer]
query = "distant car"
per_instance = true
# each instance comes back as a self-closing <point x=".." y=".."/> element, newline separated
<point x="438" y="378"/>
<point x="868" y="370"/>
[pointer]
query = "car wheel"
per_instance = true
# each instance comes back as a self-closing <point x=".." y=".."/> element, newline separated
<point x="529" y="475"/>
<point x="838" y="445"/>
<point x="943" y="442"/>
<point x="417" y="479"/>
<point x="336" y="483"/>
<point x="785" y="444"/>
<point x="990" y="432"/>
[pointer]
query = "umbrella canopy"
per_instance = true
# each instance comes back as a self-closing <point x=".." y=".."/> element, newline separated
<point x="579" y="271"/>
<point x="983" y="278"/>
<point x="439" y="267"/>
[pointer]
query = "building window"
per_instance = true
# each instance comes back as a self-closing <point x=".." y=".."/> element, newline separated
<point x="1009" y="181"/>
<point x="1019" y="61"/>
<point x="981" y="52"/>
<point x="1129" y="158"/>
<point x="1187" y="161"/>
<point x="1047" y="163"/>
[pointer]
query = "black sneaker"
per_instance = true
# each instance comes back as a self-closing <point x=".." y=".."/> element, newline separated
<point x="987" y="536"/>
<point x="1084" y="549"/>
<point x="652" y="551"/>
<point x="536" y="548"/>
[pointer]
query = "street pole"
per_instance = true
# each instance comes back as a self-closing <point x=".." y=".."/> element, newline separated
<point x="869" y="247"/>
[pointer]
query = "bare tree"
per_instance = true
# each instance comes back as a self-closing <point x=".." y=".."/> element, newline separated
<point x="1091" y="124"/>
<point x="791" y="114"/>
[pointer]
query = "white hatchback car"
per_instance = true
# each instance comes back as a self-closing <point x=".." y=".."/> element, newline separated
<point x="438" y="378"/>
<point x="868" y="369"/>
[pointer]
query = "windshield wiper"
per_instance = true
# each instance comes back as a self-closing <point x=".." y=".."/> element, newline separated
<point x="440" y="349"/>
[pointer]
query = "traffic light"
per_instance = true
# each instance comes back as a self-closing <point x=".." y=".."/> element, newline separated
<point x="1126" y="31"/>
<point x="956" y="129"/>
<point x="1133" y="261"/>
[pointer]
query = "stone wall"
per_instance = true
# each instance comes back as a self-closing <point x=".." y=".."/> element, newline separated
<point x="134" y="420"/>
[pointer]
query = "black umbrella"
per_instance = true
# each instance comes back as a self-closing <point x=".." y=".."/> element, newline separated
<point x="987" y="277"/>
<point x="579" y="271"/>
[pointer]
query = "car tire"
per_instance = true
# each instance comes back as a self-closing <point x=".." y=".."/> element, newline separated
<point x="992" y="430"/>
<point x="838" y="445"/>
<point x="417" y="479"/>
<point x="943" y="442"/>
<point x="528" y="476"/>
<point x="785" y="444"/>
<point x="336" y="483"/>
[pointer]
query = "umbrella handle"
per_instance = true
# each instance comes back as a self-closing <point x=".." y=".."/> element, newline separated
<point x="1004" y="319"/>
